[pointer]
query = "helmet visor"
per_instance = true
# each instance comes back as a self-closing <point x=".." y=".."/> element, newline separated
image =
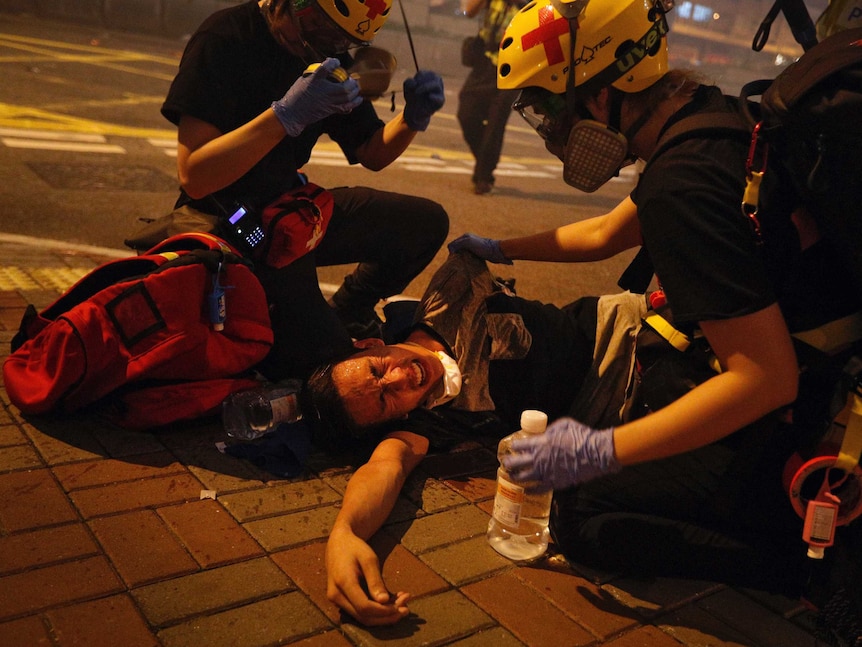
<point x="544" y="111"/>
<point x="321" y="33"/>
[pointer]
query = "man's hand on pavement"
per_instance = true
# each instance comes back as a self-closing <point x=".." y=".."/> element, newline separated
<point x="355" y="582"/>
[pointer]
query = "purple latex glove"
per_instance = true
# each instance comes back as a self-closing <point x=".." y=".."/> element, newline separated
<point x="313" y="97"/>
<point x="485" y="248"/>
<point x="568" y="453"/>
<point x="423" y="96"/>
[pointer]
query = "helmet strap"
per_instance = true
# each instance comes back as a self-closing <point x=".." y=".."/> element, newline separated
<point x="571" y="92"/>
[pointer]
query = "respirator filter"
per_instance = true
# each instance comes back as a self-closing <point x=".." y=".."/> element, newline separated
<point x="594" y="153"/>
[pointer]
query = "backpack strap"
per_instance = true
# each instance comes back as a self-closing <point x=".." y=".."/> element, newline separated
<point x="702" y="123"/>
<point x="638" y="274"/>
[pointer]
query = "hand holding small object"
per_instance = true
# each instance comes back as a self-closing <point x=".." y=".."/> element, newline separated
<point x="568" y="453"/>
<point x="315" y="96"/>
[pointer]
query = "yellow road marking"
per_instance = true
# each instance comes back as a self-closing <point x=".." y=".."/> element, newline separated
<point x="12" y="116"/>
<point x="46" y="278"/>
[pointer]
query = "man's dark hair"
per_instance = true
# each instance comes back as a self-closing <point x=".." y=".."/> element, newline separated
<point x="323" y="408"/>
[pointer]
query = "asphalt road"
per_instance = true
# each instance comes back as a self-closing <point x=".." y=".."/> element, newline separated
<point x="84" y="154"/>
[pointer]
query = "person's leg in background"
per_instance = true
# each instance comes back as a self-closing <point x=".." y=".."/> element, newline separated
<point x="391" y="236"/>
<point x="483" y="122"/>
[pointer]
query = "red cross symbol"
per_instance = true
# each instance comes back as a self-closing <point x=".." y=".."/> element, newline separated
<point x="375" y="8"/>
<point x="548" y="35"/>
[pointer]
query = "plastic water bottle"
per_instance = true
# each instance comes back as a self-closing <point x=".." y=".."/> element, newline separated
<point x="251" y="414"/>
<point x="518" y="528"/>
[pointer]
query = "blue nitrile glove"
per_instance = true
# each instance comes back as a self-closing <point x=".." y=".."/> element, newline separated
<point x="568" y="453"/>
<point x="313" y="97"/>
<point x="485" y="248"/>
<point x="423" y="96"/>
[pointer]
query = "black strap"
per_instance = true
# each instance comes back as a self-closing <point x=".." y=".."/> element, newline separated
<point x="638" y="275"/>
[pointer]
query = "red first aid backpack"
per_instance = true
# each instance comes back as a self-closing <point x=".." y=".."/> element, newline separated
<point x="162" y="337"/>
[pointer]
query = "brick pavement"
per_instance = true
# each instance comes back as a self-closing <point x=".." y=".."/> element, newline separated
<point x="108" y="537"/>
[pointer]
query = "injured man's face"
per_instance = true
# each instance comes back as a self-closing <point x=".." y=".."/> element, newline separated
<point x="385" y="383"/>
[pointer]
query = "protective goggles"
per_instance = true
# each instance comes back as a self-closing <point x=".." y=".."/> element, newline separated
<point x="321" y="33"/>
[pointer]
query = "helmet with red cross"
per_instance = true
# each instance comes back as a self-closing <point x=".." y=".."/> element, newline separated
<point x="330" y="27"/>
<point x="619" y="43"/>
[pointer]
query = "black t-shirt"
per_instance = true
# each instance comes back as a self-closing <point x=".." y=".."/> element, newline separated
<point x="231" y="71"/>
<point x="704" y="250"/>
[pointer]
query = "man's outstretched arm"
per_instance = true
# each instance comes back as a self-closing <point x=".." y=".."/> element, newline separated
<point x="354" y="578"/>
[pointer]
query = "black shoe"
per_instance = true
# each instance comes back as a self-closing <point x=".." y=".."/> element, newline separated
<point x="483" y="188"/>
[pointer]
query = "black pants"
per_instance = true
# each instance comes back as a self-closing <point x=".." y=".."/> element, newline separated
<point x="391" y="236"/>
<point x="483" y="111"/>
<point x="717" y="513"/>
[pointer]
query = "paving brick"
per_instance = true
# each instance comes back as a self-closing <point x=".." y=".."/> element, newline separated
<point x="433" y="620"/>
<point x="477" y="487"/>
<point x="403" y="571"/>
<point x="32" y="499"/>
<point x="439" y="529"/>
<point x="172" y="601"/>
<point x="465" y="561"/>
<point x="646" y="635"/>
<point x="649" y="596"/>
<point x="431" y="495"/>
<point x="10" y="318"/>
<point x="141" y="547"/>
<point x="307" y="568"/>
<point x="133" y="495"/>
<point x="220" y="472"/>
<point x="45" y="546"/>
<point x="58" y="441"/>
<point x="285" y="531"/>
<point x="496" y="636"/>
<point x="275" y="621"/>
<point x="328" y="639"/>
<point x="26" y="632"/>
<point x="101" y="472"/>
<point x="120" y="443"/>
<point x="279" y="499"/>
<point x="10" y="434"/>
<point x="444" y="466"/>
<point x="19" y="457"/>
<point x="39" y="589"/>
<point x="762" y="627"/>
<point x="209" y="533"/>
<point x="108" y="622"/>
<point x="528" y="615"/>
<point x="582" y="601"/>
<point x="693" y="626"/>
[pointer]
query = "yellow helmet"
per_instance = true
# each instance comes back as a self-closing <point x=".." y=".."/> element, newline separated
<point x="617" y="42"/>
<point x="360" y="19"/>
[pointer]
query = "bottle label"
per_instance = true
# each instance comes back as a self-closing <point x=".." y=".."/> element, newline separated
<point x="821" y="522"/>
<point x="284" y="408"/>
<point x="508" y="502"/>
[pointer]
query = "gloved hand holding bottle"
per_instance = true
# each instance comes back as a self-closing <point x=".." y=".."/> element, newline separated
<point x="315" y="96"/>
<point x="567" y="454"/>
<point x="485" y="248"/>
<point x="423" y="96"/>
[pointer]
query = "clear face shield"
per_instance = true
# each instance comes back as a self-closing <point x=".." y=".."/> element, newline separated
<point x="592" y="153"/>
<point x="319" y="31"/>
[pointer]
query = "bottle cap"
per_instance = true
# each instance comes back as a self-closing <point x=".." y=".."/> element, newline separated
<point x="533" y="421"/>
<point x="816" y="552"/>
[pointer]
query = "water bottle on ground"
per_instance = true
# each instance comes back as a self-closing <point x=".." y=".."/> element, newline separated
<point x="519" y="525"/>
<point x="250" y="414"/>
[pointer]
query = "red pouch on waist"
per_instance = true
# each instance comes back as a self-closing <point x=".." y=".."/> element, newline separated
<point x="294" y="224"/>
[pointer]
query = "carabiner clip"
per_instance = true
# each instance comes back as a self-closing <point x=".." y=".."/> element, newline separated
<point x="753" y="178"/>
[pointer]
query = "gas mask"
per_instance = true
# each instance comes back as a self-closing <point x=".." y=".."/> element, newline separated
<point x="592" y="153"/>
<point x="451" y="382"/>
